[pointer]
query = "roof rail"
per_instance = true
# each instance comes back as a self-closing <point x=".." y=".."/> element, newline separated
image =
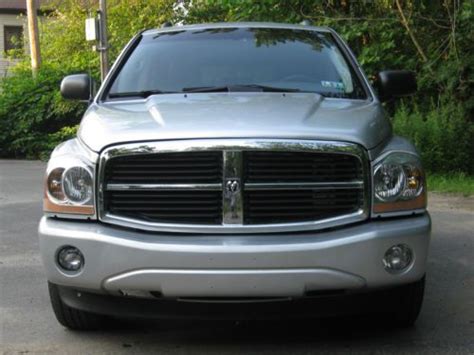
<point x="166" y="24"/>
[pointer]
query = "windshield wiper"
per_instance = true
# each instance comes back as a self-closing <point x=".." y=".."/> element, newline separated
<point x="206" y="89"/>
<point x="144" y="93"/>
<point x="226" y="88"/>
<point x="239" y="87"/>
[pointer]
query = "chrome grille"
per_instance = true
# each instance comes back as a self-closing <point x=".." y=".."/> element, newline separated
<point x="166" y="199"/>
<point x="233" y="186"/>
<point x="291" y="199"/>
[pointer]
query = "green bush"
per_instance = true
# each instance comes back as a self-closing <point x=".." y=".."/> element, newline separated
<point x="55" y="138"/>
<point x="439" y="119"/>
<point x="454" y="183"/>
<point x="33" y="114"/>
<point x="443" y="134"/>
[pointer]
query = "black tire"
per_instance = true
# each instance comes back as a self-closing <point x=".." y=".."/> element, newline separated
<point x="73" y="318"/>
<point x="410" y="300"/>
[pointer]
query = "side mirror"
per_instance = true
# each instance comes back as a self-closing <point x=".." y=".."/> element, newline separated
<point x="77" y="87"/>
<point x="395" y="83"/>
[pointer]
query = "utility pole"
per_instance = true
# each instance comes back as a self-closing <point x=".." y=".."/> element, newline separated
<point x="103" y="40"/>
<point x="33" y="35"/>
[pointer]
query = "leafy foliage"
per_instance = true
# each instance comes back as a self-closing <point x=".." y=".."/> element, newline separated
<point x="444" y="135"/>
<point x="432" y="38"/>
<point x="62" y="34"/>
<point x="375" y="32"/>
<point x="32" y="111"/>
<point x="33" y="116"/>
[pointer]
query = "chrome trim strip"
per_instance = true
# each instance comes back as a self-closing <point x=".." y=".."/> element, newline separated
<point x="227" y="145"/>
<point x="236" y="228"/>
<point x="163" y="187"/>
<point x="232" y="205"/>
<point x="249" y="186"/>
<point x="399" y="213"/>
<point x="190" y="145"/>
<point x="87" y="217"/>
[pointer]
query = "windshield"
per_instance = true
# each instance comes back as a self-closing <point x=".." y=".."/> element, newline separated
<point x="240" y="59"/>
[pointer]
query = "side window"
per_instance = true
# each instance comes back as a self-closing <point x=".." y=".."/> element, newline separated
<point x="13" y="38"/>
<point x="342" y="69"/>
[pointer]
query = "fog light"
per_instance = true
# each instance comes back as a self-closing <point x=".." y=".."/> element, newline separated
<point x="397" y="258"/>
<point x="70" y="258"/>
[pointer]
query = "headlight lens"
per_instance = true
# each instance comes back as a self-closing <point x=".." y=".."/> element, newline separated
<point x="389" y="182"/>
<point x="399" y="183"/>
<point x="69" y="188"/>
<point x="77" y="185"/>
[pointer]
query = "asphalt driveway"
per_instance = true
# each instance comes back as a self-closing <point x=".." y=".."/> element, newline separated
<point x="27" y="324"/>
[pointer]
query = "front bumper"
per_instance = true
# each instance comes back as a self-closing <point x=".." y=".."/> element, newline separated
<point x="120" y="261"/>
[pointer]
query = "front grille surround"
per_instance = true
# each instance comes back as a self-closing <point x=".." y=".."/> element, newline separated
<point x="236" y="153"/>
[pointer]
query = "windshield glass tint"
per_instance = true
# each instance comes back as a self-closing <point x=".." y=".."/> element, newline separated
<point x="302" y="60"/>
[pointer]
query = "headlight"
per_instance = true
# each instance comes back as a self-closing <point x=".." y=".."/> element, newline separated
<point x="69" y="187"/>
<point x="399" y="184"/>
<point x="78" y="184"/>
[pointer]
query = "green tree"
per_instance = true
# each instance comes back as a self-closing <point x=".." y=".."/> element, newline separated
<point x="33" y="116"/>
<point x="432" y="38"/>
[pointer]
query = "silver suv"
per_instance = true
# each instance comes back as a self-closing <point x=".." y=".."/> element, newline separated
<point x="235" y="170"/>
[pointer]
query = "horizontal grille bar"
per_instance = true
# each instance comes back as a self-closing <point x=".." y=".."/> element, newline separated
<point x="305" y="185"/>
<point x="248" y="186"/>
<point x="163" y="187"/>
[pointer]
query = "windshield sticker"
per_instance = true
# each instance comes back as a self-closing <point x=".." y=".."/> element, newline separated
<point x="338" y="85"/>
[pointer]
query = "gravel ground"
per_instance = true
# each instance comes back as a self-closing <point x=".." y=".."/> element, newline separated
<point x="27" y="324"/>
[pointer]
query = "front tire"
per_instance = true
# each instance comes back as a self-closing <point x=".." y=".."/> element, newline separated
<point x="410" y="302"/>
<point x="71" y="318"/>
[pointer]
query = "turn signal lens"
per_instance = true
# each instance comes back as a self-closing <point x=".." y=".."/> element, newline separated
<point x="414" y="179"/>
<point x="55" y="184"/>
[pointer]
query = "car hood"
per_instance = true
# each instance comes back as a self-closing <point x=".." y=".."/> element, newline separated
<point x="234" y="115"/>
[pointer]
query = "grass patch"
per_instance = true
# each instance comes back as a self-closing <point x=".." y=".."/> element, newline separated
<point x="455" y="183"/>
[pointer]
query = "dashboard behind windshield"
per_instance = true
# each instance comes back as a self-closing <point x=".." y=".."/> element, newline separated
<point x="286" y="59"/>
